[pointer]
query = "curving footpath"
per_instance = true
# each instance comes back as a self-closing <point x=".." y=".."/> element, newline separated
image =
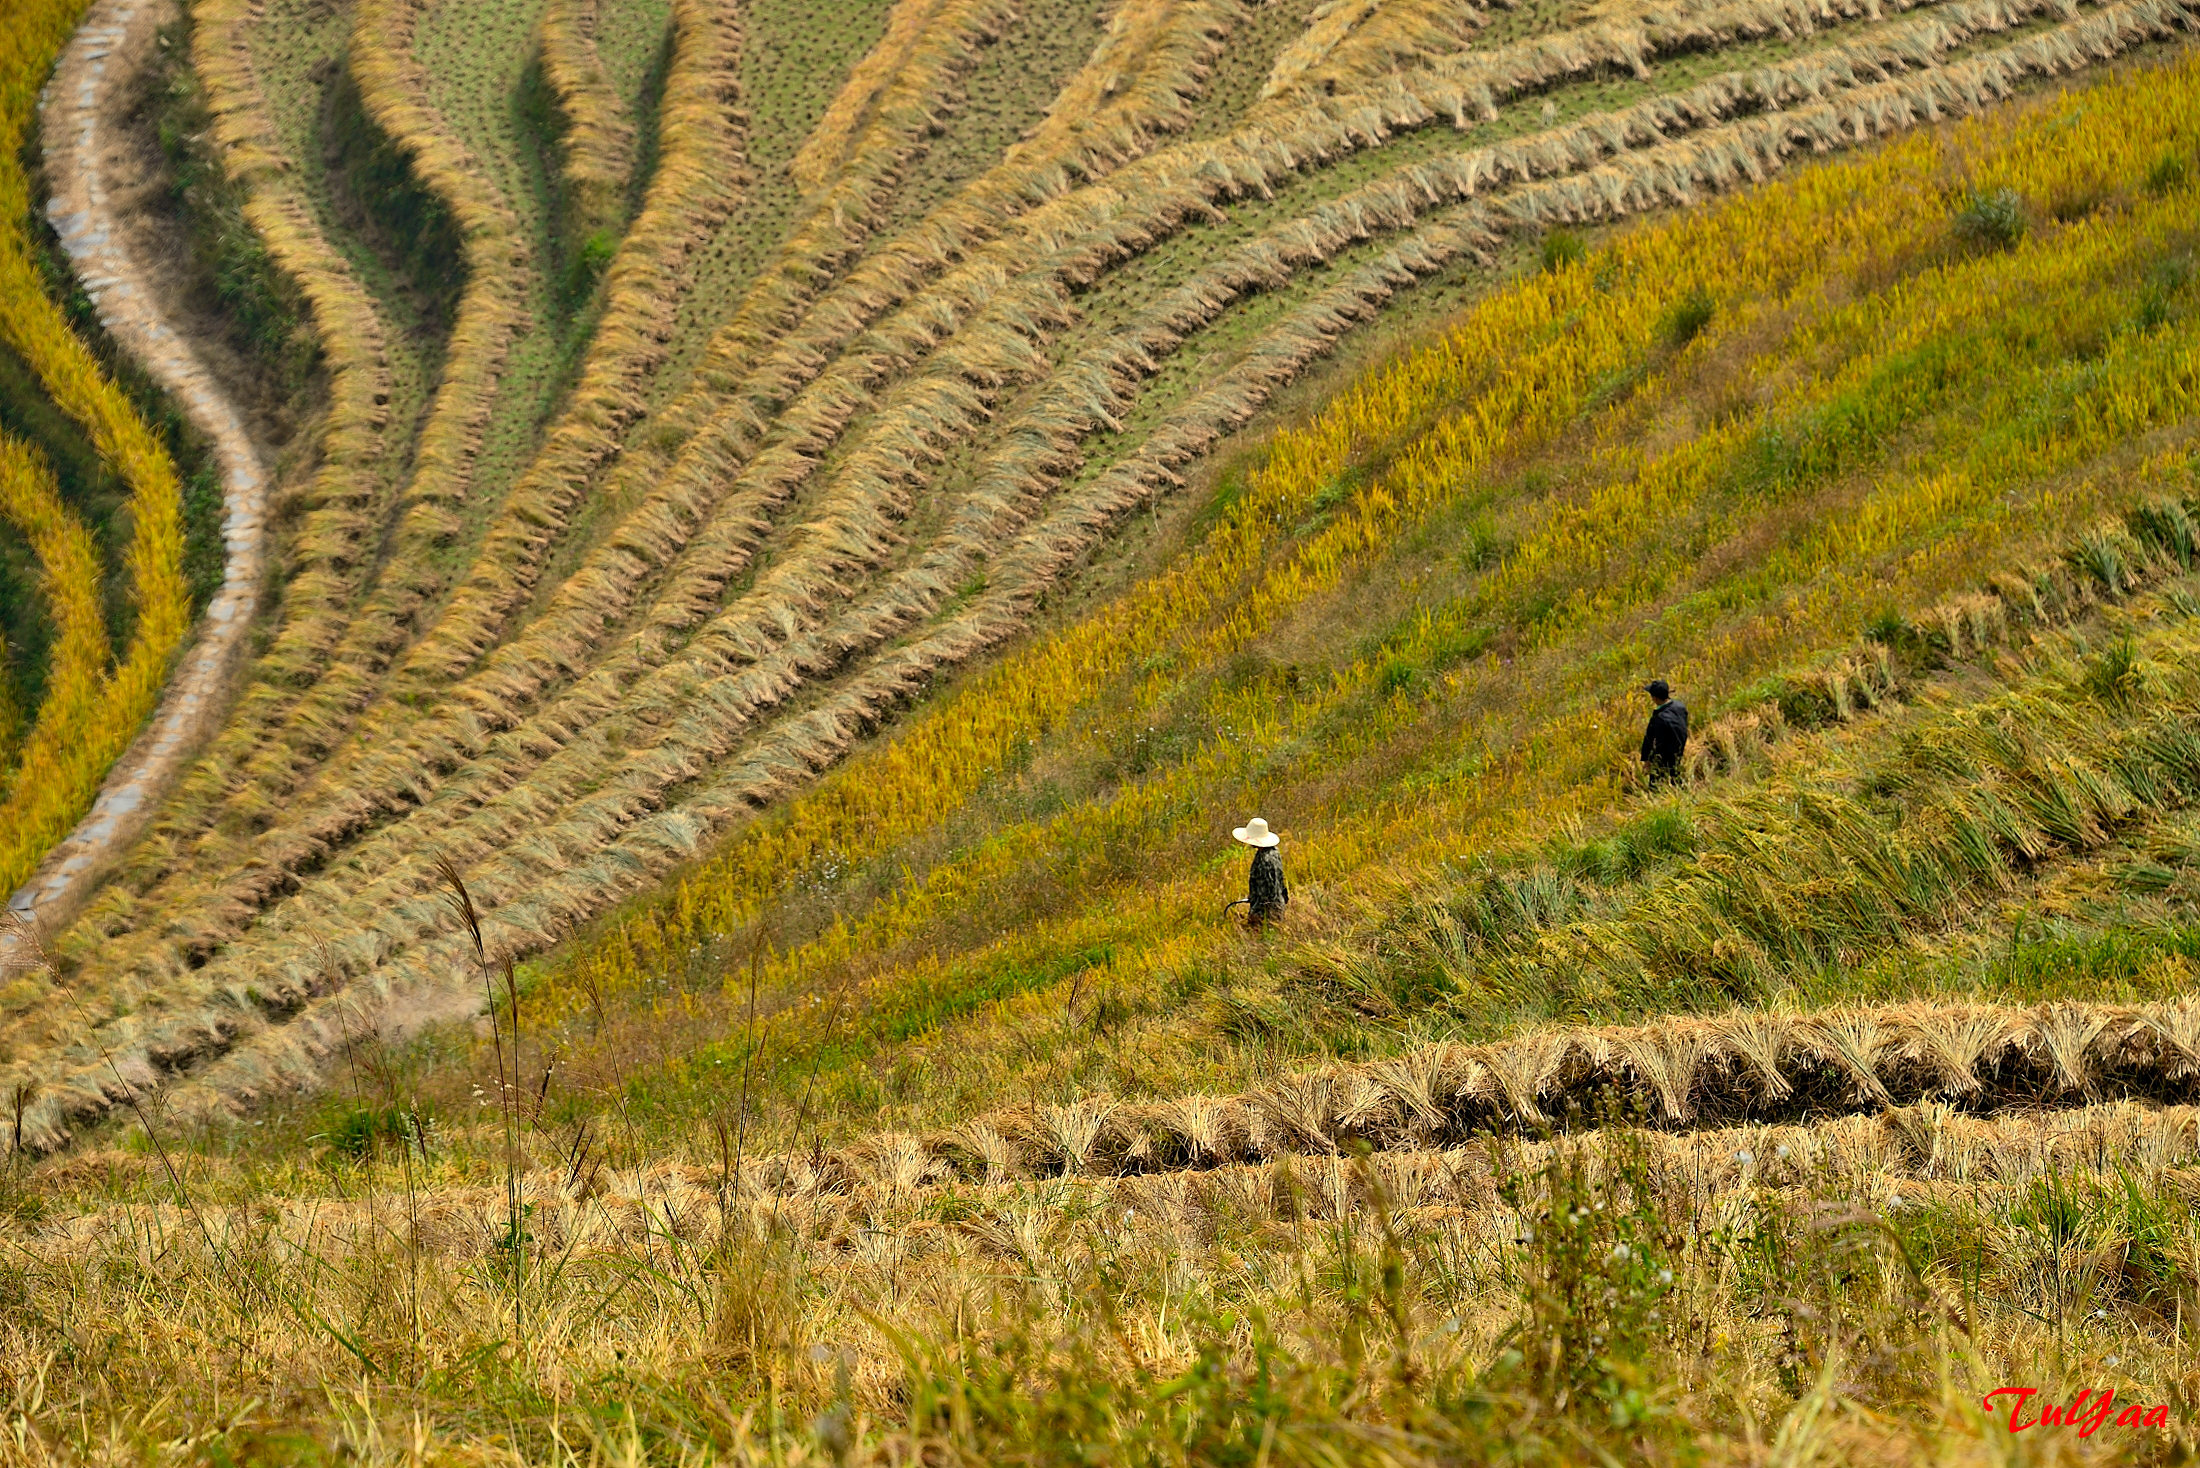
<point x="77" y="112"/>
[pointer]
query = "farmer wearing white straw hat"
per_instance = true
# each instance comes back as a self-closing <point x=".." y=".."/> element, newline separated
<point x="1267" y="892"/>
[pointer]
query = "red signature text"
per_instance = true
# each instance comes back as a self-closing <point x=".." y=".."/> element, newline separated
<point x="2087" y="1418"/>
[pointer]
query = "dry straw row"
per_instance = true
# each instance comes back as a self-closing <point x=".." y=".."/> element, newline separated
<point x="1137" y="86"/>
<point x="1263" y="263"/>
<point x="1679" y="1071"/>
<point x="833" y="1191"/>
<point x="1352" y="40"/>
<point x="600" y="137"/>
<point x="700" y="172"/>
<point x="890" y="1186"/>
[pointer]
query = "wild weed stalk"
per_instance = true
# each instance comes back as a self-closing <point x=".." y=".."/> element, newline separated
<point x="514" y="1244"/>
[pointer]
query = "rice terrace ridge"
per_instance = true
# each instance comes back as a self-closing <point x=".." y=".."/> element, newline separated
<point x="1192" y="732"/>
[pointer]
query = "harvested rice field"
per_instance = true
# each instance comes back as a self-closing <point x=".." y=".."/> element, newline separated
<point x="633" y="634"/>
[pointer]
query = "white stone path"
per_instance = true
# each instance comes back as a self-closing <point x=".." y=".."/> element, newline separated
<point x="79" y="111"/>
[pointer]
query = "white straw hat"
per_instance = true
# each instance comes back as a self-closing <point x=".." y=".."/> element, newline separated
<point x="1255" y="832"/>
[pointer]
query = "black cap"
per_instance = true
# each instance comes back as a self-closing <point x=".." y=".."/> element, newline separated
<point x="1656" y="688"/>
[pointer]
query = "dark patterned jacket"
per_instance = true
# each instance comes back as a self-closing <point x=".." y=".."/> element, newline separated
<point x="1268" y="892"/>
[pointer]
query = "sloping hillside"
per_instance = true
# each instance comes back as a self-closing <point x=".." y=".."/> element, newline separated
<point x="620" y="592"/>
<point x="700" y="936"/>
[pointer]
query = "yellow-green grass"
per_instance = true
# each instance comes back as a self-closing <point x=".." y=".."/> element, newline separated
<point x="11" y="713"/>
<point x="2044" y="1245"/>
<point x="69" y="577"/>
<point x="1860" y="1285"/>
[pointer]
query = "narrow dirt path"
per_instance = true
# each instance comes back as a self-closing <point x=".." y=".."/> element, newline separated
<point x="81" y="110"/>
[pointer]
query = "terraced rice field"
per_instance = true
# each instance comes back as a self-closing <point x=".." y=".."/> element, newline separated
<point x="695" y="936"/>
<point x="887" y="418"/>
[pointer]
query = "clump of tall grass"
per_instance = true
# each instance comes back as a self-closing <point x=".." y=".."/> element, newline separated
<point x="1685" y="319"/>
<point x="1561" y="248"/>
<point x="1991" y="219"/>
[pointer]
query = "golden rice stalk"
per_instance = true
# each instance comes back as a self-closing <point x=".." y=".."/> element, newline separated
<point x="69" y="574"/>
<point x="599" y="137"/>
<point x="413" y="755"/>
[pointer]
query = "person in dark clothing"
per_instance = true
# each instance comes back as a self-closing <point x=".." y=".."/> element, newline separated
<point x="1666" y="740"/>
<point x="1266" y="893"/>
